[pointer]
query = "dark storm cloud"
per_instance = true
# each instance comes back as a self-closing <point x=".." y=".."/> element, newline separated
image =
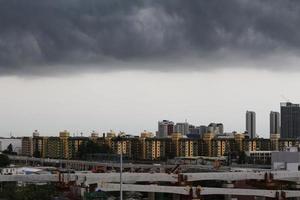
<point x="44" y="36"/>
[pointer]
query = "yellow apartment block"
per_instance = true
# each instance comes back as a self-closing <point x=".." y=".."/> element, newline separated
<point x="186" y="147"/>
<point x="207" y="138"/>
<point x="54" y="148"/>
<point x="154" y="148"/>
<point x="64" y="140"/>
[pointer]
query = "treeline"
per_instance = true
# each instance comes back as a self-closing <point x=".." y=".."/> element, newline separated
<point x="11" y="191"/>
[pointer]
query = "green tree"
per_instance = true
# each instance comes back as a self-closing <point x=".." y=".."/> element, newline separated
<point x="91" y="147"/>
<point x="9" y="150"/>
<point x="242" y="157"/>
<point x="4" y="160"/>
<point x="11" y="191"/>
<point x="8" y="190"/>
<point x="35" y="192"/>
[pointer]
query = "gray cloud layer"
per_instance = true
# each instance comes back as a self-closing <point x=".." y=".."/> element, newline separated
<point x="44" y="36"/>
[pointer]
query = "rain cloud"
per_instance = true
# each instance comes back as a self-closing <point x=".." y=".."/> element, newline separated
<point x="56" y="36"/>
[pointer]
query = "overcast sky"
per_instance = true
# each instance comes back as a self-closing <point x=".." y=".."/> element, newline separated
<point x="124" y="65"/>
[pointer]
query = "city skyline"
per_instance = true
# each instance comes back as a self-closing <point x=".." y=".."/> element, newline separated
<point x="167" y="127"/>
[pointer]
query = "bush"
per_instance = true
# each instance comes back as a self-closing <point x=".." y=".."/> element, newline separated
<point x="4" y="160"/>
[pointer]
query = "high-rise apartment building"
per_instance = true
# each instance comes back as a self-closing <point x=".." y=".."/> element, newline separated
<point x="64" y="138"/>
<point x="54" y="148"/>
<point x="251" y="124"/>
<point x="220" y="128"/>
<point x="75" y="143"/>
<point x="155" y="148"/>
<point x="182" y="128"/>
<point x="165" y="128"/>
<point x="274" y="123"/>
<point x="290" y="120"/>
<point x="38" y="145"/>
<point x="216" y="128"/>
<point x="27" y="146"/>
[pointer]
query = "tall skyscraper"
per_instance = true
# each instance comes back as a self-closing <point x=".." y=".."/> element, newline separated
<point x="290" y="120"/>
<point x="274" y="123"/>
<point x="251" y="124"/>
<point x="182" y="128"/>
<point x="165" y="128"/>
<point x="220" y="128"/>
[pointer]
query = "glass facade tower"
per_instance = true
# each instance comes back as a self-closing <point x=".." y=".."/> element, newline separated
<point x="290" y="120"/>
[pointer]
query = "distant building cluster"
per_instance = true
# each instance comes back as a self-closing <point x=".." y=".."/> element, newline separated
<point x="285" y="124"/>
<point x="148" y="147"/>
<point x="166" y="128"/>
<point x="178" y="139"/>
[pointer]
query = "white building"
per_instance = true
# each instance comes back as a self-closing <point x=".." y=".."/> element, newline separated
<point x="286" y="160"/>
<point x="259" y="157"/>
<point x="165" y="128"/>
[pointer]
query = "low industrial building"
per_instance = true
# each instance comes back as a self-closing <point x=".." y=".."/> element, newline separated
<point x="286" y="160"/>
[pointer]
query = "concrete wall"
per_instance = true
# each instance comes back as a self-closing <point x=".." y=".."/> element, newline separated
<point x="285" y="166"/>
<point x="285" y="156"/>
